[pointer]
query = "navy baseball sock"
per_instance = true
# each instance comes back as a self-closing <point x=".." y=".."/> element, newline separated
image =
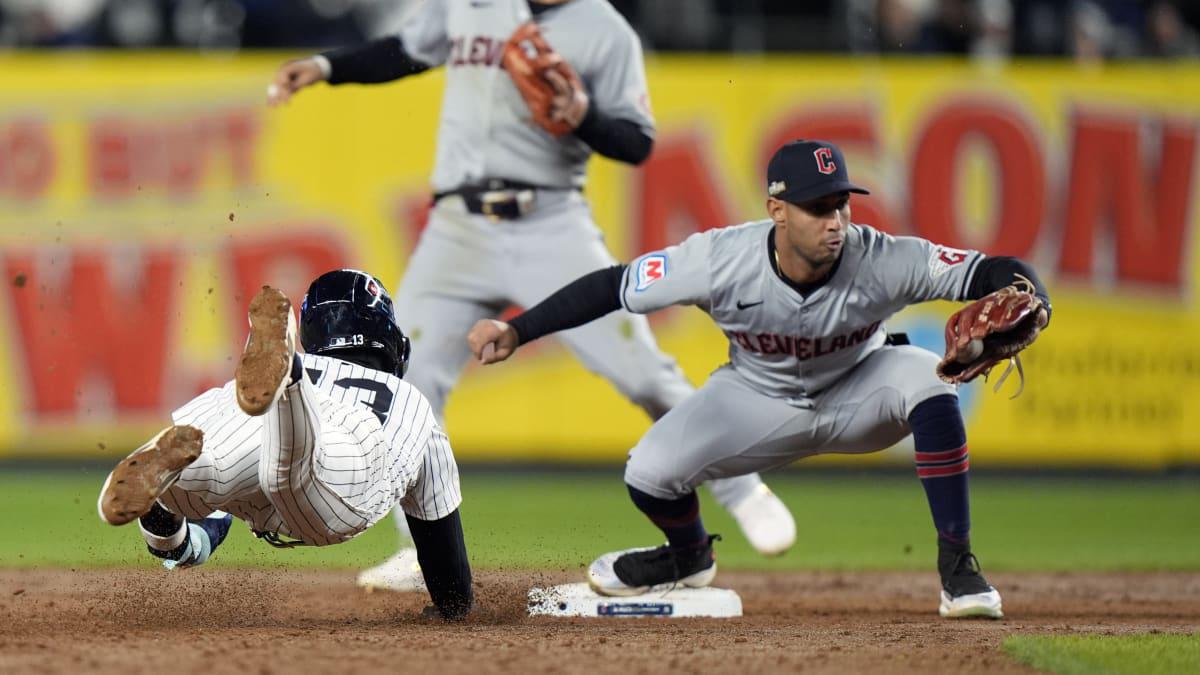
<point x="297" y="369"/>
<point x="679" y="519"/>
<point x="942" y="461"/>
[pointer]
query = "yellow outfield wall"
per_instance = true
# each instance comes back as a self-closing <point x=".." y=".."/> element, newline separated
<point x="143" y="197"/>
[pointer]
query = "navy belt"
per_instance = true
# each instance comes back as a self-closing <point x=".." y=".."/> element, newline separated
<point x="497" y="199"/>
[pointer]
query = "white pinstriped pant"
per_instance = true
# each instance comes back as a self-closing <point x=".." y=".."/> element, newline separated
<point x="312" y="468"/>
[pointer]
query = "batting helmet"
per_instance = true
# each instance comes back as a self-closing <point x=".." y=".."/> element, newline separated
<point x="348" y="314"/>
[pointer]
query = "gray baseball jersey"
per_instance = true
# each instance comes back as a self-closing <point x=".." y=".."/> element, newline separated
<point x="484" y="130"/>
<point x="784" y="344"/>
<point x="332" y="457"/>
<point x="807" y="374"/>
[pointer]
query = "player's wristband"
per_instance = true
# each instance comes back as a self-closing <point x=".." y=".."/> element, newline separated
<point x="325" y="66"/>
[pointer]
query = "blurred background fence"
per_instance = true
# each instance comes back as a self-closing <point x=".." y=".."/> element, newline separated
<point x="144" y="194"/>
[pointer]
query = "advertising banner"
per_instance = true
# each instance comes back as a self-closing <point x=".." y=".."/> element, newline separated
<point x="145" y="197"/>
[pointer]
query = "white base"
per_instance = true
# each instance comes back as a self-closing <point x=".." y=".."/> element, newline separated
<point x="579" y="600"/>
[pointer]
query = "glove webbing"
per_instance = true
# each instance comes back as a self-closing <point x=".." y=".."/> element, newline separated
<point x="1021" y="284"/>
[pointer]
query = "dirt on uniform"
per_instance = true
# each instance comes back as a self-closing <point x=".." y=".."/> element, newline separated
<point x="216" y="621"/>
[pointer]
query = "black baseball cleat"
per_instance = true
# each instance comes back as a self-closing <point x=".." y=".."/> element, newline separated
<point x="131" y="489"/>
<point x="965" y="593"/>
<point x="641" y="570"/>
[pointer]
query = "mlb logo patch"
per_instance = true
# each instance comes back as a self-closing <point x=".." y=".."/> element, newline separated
<point x="649" y="270"/>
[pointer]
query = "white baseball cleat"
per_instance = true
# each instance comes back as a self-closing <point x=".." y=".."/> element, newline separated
<point x="264" y="370"/>
<point x="644" y="570"/>
<point x="400" y="573"/>
<point x="986" y="604"/>
<point x="138" y="480"/>
<point x="766" y="522"/>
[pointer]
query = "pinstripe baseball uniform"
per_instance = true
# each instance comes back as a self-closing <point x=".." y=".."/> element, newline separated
<point x="332" y="457"/>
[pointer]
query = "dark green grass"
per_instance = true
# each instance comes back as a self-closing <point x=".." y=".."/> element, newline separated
<point x="1159" y="654"/>
<point x="564" y="519"/>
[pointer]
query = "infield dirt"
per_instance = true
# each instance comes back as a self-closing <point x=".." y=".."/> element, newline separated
<point x="275" y="621"/>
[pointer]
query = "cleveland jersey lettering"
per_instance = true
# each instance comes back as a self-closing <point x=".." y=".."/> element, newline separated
<point x="726" y="273"/>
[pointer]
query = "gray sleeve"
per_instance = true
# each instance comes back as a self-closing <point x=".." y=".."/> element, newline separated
<point x="676" y="275"/>
<point x="918" y="270"/>
<point x="617" y="79"/>
<point x="424" y="32"/>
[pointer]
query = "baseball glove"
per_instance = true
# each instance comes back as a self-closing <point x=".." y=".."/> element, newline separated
<point x="992" y="329"/>
<point x="554" y="93"/>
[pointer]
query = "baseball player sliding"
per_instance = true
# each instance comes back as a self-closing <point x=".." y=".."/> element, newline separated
<point x="802" y="297"/>
<point x="532" y="90"/>
<point x="308" y="450"/>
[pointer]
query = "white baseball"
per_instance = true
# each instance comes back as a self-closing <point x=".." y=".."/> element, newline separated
<point x="971" y="352"/>
<point x="272" y="91"/>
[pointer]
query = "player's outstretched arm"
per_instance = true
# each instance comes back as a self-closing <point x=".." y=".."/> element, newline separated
<point x="442" y="552"/>
<point x="378" y="61"/>
<point x="586" y="299"/>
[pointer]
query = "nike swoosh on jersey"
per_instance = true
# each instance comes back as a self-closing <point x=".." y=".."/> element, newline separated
<point x="748" y="305"/>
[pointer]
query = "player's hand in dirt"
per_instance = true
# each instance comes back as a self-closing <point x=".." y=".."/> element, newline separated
<point x="291" y="78"/>
<point x="492" y="341"/>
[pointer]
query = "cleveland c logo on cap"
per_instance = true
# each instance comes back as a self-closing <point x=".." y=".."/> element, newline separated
<point x="825" y="160"/>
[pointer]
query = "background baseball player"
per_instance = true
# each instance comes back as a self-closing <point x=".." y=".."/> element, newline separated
<point x="510" y="223"/>
<point x="802" y="297"/>
<point x="315" y="448"/>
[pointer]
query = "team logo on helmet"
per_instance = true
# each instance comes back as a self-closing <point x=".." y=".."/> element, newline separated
<point x="374" y="290"/>
<point x="777" y="187"/>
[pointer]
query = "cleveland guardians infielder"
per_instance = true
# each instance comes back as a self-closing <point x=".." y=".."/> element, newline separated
<point x="510" y="223"/>
<point x="802" y="297"/>
<point x="307" y="449"/>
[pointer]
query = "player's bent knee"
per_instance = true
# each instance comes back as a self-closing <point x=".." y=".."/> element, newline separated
<point x="656" y="479"/>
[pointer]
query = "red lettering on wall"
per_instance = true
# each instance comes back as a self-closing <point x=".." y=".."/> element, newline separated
<point x="677" y="194"/>
<point x="86" y="325"/>
<point x="1114" y="184"/>
<point x="239" y="129"/>
<point x="27" y="159"/>
<point x="1018" y="163"/>
<point x="851" y="126"/>
<point x="174" y="155"/>
<point x="287" y="260"/>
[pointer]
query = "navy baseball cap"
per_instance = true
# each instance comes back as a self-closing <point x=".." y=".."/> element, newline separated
<point x="804" y="170"/>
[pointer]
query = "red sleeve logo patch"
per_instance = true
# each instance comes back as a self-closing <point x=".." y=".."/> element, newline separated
<point x="944" y="258"/>
<point x="650" y="269"/>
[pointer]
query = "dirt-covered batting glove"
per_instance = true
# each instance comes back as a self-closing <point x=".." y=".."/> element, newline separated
<point x="555" y="95"/>
<point x="992" y="329"/>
